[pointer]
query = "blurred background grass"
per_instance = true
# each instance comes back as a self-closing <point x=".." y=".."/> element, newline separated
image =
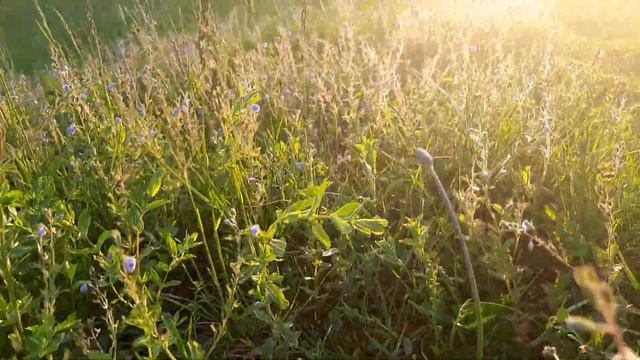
<point x="609" y="25"/>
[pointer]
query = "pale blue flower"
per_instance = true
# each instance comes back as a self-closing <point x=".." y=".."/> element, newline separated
<point x="129" y="264"/>
<point x="71" y="130"/>
<point x="42" y="231"/>
<point x="111" y="87"/>
<point x="84" y="288"/>
<point x="254" y="230"/>
<point x="251" y="180"/>
<point x="66" y="87"/>
<point x="299" y="165"/>
<point x="255" y="108"/>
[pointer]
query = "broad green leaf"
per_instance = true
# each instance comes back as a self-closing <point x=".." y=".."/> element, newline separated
<point x="278" y="247"/>
<point x="319" y="232"/>
<point x="156" y="204"/>
<point x="106" y="235"/>
<point x="155" y="183"/>
<point x="173" y="248"/>
<point x="276" y="296"/>
<point x="371" y="226"/>
<point x="347" y="210"/>
<point x="98" y="355"/>
<point x="341" y="225"/>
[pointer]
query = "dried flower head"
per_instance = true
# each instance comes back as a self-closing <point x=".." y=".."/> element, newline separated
<point x="424" y="157"/>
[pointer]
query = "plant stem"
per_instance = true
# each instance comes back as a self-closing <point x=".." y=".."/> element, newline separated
<point x="426" y="159"/>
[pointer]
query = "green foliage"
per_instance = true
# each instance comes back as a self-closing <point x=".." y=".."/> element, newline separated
<point x="179" y="222"/>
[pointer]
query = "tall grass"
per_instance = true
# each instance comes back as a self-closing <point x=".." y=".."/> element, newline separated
<point x="261" y="173"/>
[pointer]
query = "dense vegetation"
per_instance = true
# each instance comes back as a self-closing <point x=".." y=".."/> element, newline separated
<point x="250" y="189"/>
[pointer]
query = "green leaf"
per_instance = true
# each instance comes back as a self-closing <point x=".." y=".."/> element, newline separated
<point x="84" y="222"/>
<point x="156" y="204"/>
<point x="371" y="226"/>
<point x="156" y="182"/>
<point x="276" y="296"/>
<point x="106" y="235"/>
<point x="319" y="232"/>
<point x="173" y="248"/>
<point x="98" y="355"/>
<point x="278" y="247"/>
<point x="347" y="210"/>
<point x="341" y="225"/>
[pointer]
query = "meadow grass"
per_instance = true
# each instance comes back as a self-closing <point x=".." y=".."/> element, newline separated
<point x="251" y="190"/>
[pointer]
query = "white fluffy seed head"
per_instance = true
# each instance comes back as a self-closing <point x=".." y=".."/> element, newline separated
<point x="424" y="157"/>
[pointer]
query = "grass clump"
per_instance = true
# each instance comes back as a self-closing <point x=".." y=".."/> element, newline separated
<point x="251" y="190"/>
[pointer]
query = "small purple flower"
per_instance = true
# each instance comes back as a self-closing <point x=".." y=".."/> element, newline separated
<point x="251" y="180"/>
<point x="255" y="108"/>
<point x="66" y="87"/>
<point x="299" y="165"/>
<point x="220" y="133"/>
<point x="84" y="288"/>
<point x="71" y="130"/>
<point x="118" y="120"/>
<point x="130" y="264"/>
<point x="111" y="87"/>
<point x="142" y="113"/>
<point x="42" y="231"/>
<point x="175" y="112"/>
<point x="254" y="230"/>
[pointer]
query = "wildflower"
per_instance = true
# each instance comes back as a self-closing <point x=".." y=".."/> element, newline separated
<point x="42" y="231"/>
<point x="299" y="165"/>
<point x="142" y="113"/>
<point x="220" y="133"/>
<point x="84" y="288"/>
<point x="111" y="87"/>
<point x="251" y="180"/>
<point x="66" y="87"/>
<point x="71" y="130"/>
<point x="118" y="120"/>
<point x="527" y="226"/>
<point x="424" y="157"/>
<point x="266" y="98"/>
<point x="186" y="102"/>
<point x="255" y="108"/>
<point x="129" y="264"/>
<point x="153" y="133"/>
<point x="175" y="112"/>
<point x="254" y="230"/>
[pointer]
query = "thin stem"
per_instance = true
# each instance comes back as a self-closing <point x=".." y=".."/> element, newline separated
<point x="426" y="159"/>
